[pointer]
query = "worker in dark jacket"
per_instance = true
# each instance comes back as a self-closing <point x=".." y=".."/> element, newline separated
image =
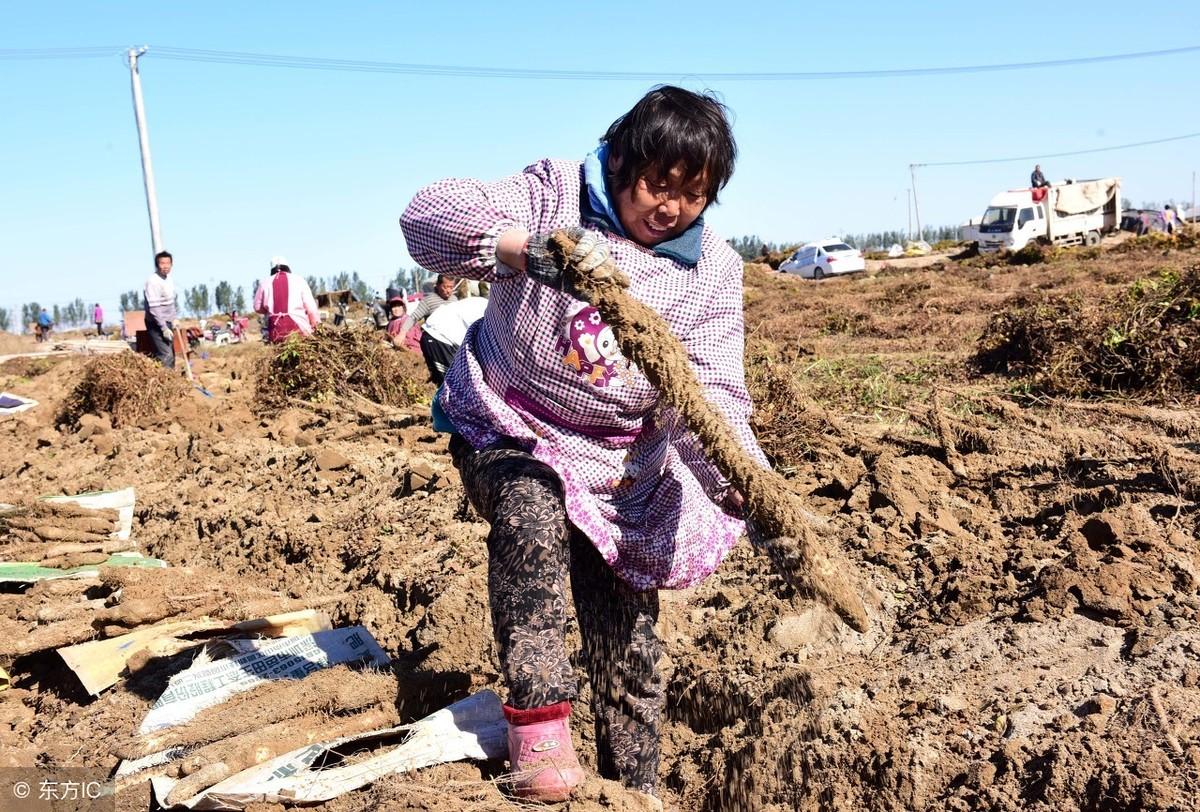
<point x="1036" y="179"/>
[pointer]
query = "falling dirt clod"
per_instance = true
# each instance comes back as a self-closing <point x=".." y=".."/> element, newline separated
<point x="773" y="511"/>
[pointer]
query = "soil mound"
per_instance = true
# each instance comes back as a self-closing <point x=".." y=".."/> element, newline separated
<point x="1144" y="342"/>
<point x="127" y="386"/>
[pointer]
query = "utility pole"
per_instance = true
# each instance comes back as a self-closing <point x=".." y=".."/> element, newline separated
<point x="139" y="113"/>
<point x="908" y="200"/>
<point x="912" y="170"/>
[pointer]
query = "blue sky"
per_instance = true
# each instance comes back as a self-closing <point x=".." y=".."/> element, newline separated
<point x="257" y="161"/>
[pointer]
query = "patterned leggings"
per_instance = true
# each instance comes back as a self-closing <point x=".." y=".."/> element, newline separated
<point x="531" y="550"/>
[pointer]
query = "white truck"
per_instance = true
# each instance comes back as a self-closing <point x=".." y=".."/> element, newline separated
<point x="1069" y="213"/>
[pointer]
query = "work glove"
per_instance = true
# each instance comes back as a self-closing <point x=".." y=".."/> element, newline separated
<point x="168" y="334"/>
<point x="591" y="251"/>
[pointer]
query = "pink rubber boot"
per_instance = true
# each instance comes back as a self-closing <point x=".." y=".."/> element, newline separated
<point x="540" y="753"/>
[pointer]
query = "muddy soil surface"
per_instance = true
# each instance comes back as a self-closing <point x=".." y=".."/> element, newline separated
<point x="1031" y="566"/>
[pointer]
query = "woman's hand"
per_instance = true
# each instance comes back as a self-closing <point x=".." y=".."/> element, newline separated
<point x="734" y="503"/>
<point x="591" y="251"/>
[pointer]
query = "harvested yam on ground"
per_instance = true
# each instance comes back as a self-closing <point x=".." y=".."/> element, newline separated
<point x="216" y="762"/>
<point x="46" y="522"/>
<point x="337" y="690"/>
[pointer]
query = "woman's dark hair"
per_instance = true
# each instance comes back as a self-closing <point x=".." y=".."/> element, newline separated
<point x="668" y="126"/>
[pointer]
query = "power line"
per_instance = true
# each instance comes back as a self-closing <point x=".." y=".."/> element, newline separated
<point x="15" y="54"/>
<point x="1060" y="154"/>
<point x="317" y="63"/>
<point x="362" y="66"/>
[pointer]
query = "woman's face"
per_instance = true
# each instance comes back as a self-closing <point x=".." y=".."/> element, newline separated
<point x="656" y="209"/>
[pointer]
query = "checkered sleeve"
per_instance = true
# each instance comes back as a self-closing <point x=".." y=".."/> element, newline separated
<point x="715" y="347"/>
<point x="452" y="226"/>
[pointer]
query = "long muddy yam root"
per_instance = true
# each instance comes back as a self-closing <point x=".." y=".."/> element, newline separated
<point x="54" y="612"/>
<point x="646" y="340"/>
<point x="218" y="761"/>
<point x="70" y="509"/>
<point x="53" y="635"/>
<point x="64" y="524"/>
<point x="336" y="690"/>
<point x="36" y="553"/>
<point x="132" y="612"/>
<point x="72" y="560"/>
<point x="52" y="533"/>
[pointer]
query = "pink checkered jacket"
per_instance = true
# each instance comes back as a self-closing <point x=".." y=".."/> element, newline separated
<point x="543" y="369"/>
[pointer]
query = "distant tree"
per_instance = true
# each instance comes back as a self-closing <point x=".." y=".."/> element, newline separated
<point x="197" y="300"/>
<point x="223" y="296"/>
<point x="254" y="289"/>
<point x="340" y="281"/>
<point x="5" y="320"/>
<point x="239" y="300"/>
<point x="749" y="246"/>
<point x="131" y="300"/>
<point x="29" y="314"/>
<point x="77" y="313"/>
<point x="361" y="290"/>
<point x="316" y="284"/>
<point x="56" y="314"/>
<point x="1126" y="204"/>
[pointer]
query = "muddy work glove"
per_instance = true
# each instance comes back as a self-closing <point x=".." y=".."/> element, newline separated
<point x="168" y="334"/>
<point x="591" y="252"/>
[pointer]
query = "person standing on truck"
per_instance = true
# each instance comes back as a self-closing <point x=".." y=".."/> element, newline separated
<point x="159" y="303"/>
<point x="1036" y="179"/>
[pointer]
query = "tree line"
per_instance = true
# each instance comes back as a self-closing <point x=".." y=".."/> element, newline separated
<point x="73" y="314"/>
<point x="750" y="246"/>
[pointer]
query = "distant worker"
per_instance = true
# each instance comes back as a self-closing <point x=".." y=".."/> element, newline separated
<point x="287" y="302"/>
<point x="1036" y="179"/>
<point x="445" y="331"/>
<point x="397" y="310"/>
<point x="98" y="318"/>
<point x="1171" y="220"/>
<point x="443" y="292"/>
<point x="159" y="303"/>
<point x="44" y="325"/>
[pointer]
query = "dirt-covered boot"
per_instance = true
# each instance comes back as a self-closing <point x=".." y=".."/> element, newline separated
<point x="542" y="758"/>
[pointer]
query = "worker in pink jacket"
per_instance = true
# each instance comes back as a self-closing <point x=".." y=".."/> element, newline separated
<point x="568" y="451"/>
<point x="287" y="302"/>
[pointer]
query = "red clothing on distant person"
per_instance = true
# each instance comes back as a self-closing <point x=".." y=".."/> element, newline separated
<point x="288" y="303"/>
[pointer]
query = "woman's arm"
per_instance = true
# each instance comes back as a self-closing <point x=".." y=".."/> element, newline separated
<point x="467" y="228"/>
